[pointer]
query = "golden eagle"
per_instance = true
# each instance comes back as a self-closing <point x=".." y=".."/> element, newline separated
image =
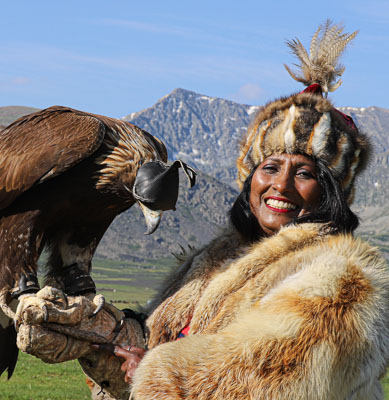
<point x="64" y="176"/>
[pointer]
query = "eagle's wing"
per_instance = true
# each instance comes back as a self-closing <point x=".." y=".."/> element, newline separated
<point x="42" y="145"/>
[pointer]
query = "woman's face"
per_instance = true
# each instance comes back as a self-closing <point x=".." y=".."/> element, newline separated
<point x="283" y="187"/>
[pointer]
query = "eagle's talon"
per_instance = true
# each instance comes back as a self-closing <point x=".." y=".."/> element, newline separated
<point x="99" y="300"/>
<point x="65" y="300"/>
<point x="45" y="313"/>
<point x="59" y="297"/>
<point x="115" y="312"/>
<point x="119" y="325"/>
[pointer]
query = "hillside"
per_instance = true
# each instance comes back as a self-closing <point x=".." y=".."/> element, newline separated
<point x="8" y="114"/>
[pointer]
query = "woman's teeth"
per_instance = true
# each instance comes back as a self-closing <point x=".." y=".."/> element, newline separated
<point x="282" y="205"/>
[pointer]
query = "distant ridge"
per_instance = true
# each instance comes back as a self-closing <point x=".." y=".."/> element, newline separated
<point x="8" y="114"/>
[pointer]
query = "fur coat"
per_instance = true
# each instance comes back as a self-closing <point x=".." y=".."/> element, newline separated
<point x="299" y="315"/>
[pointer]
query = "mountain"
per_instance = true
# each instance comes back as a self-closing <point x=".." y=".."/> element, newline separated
<point x="372" y="186"/>
<point x="8" y="114"/>
<point x="205" y="132"/>
<point x="374" y="121"/>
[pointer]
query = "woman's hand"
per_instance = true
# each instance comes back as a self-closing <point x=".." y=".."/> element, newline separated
<point x="132" y="356"/>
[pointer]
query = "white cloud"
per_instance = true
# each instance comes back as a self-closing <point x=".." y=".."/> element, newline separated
<point x="248" y="93"/>
<point x="15" y="82"/>
<point x="20" y="81"/>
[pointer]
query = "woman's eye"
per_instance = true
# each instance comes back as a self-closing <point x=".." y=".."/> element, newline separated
<point x="305" y="174"/>
<point x="270" y="168"/>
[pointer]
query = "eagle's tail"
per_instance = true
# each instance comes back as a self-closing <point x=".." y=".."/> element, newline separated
<point x="8" y="349"/>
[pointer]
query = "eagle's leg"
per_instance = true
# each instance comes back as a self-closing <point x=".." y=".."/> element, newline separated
<point x="69" y="263"/>
<point x="75" y="281"/>
<point x="19" y="255"/>
<point x="28" y="283"/>
<point x="78" y="283"/>
<point x="7" y="310"/>
<point x="69" y="268"/>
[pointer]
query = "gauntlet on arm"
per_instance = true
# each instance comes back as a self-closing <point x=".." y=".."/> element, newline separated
<point x="57" y="328"/>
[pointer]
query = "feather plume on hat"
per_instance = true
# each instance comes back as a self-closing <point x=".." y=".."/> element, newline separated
<point x="321" y="65"/>
<point x="307" y="123"/>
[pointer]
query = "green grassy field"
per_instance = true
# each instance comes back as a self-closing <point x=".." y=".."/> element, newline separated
<point x="35" y="380"/>
<point x="128" y="284"/>
<point x="385" y="384"/>
<point x="125" y="285"/>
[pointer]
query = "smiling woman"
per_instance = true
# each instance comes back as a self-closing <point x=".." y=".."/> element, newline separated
<point x="286" y="303"/>
<point x="283" y="188"/>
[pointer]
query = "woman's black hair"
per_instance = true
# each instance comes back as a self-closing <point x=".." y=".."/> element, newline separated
<point x="333" y="207"/>
<point x="241" y="216"/>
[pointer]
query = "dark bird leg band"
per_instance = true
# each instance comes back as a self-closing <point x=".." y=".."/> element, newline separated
<point x="28" y="283"/>
<point x="76" y="281"/>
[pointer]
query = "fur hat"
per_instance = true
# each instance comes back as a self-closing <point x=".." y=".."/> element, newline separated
<point x="307" y="123"/>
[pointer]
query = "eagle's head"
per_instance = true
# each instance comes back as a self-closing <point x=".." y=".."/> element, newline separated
<point x="156" y="189"/>
<point x="133" y="165"/>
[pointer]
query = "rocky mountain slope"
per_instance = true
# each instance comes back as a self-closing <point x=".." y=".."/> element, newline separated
<point x="204" y="131"/>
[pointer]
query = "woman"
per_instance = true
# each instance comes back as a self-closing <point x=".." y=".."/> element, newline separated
<point x="286" y="303"/>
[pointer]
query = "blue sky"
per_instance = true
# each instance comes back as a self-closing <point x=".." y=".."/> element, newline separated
<point x="117" y="57"/>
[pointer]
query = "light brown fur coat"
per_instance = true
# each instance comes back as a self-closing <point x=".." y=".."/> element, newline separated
<point x="299" y="315"/>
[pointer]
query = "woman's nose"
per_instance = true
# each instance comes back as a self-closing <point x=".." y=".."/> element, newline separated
<point x="283" y="182"/>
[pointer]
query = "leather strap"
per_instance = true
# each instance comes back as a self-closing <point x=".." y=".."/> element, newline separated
<point x="77" y="282"/>
<point x="28" y="283"/>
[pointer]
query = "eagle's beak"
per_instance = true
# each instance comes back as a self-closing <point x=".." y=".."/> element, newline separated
<point x="152" y="217"/>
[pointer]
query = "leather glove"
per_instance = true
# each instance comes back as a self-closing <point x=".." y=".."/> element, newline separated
<point x="57" y="328"/>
